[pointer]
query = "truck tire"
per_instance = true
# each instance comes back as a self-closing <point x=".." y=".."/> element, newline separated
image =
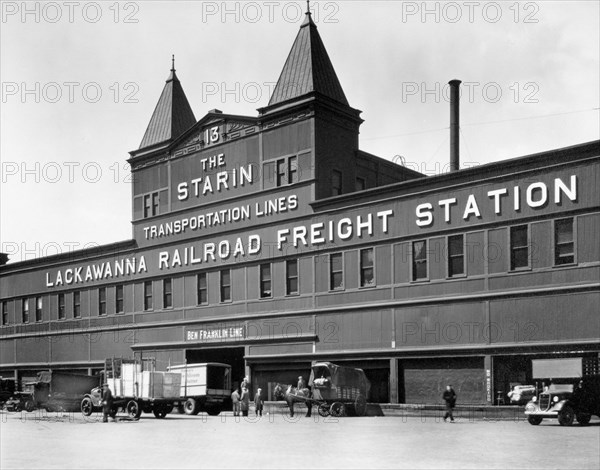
<point x="191" y="407"/>
<point x="534" y="420"/>
<point x="160" y="411"/>
<point x="583" y="418"/>
<point x="87" y="406"/>
<point x="133" y="408"/>
<point x="213" y="410"/>
<point x="29" y="406"/>
<point x="566" y="416"/>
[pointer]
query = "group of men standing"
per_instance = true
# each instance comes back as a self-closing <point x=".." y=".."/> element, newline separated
<point x="241" y="401"/>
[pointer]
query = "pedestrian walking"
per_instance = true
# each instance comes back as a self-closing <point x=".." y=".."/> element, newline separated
<point x="235" y="400"/>
<point x="245" y="401"/>
<point x="107" y="403"/>
<point x="449" y="397"/>
<point x="258" y="403"/>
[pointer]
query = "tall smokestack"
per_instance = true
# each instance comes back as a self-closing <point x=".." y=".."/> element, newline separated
<point x="454" y="124"/>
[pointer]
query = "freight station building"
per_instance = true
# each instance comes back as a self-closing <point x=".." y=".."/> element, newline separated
<point x="270" y="241"/>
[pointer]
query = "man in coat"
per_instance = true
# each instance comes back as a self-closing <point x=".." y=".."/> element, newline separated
<point x="258" y="403"/>
<point x="107" y="402"/>
<point x="235" y="400"/>
<point x="245" y="401"/>
<point x="449" y="397"/>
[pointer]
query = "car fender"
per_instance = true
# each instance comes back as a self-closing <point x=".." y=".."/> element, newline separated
<point x="561" y="404"/>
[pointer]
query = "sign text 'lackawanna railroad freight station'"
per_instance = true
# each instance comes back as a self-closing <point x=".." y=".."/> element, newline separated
<point x="335" y="230"/>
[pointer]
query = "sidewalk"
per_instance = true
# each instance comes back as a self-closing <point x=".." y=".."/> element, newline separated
<point x="469" y="412"/>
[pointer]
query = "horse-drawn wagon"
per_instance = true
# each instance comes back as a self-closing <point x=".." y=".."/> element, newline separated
<point x="335" y="390"/>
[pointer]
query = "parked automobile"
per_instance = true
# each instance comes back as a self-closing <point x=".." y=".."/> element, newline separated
<point x="20" y="401"/>
<point x="579" y="399"/>
<point x="521" y="394"/>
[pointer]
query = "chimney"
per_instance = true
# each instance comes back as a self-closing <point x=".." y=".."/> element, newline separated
<point x="454" y="124"/>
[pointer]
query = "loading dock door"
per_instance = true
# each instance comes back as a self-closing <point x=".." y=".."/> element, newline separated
<point x="232" y="356"/>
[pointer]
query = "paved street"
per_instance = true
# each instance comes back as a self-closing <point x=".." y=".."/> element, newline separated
<point x="56" y="440"/>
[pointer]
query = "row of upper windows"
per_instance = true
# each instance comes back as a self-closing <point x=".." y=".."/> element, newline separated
<point x="519" y="248"/>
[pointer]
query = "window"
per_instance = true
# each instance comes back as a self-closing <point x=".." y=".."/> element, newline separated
<point x="419" y="264"/>
<point x="167" y="293"/>
<point x="151" y="202"/>
<point x="119" y="299"/>
<point x="61" y="307"/>
<point x="367" y="272"/>
<point x="202" y="289"/>
<point x="225" y="275"/>
<point x="287" y="170"/>
<point x="293" y="170"/>
<point x="281" y="172"/>
<point x="336" y="271"/>
<point x="76" y="304"/>
<point x="25" y="310"/>
<point x="38" y="309"/>
<point x="519" y="248"/>
<point x="265" y="281"/>
<point x="564" y="245"/>
<point x="148" y="295"/>
<point x="102" y="301"/>
<point x="291" y="277"/>
<point x="361" y="184"/>
<point x="4" y="312"/>
<point x="336" y="183"/>
<point x="456" y="255"/>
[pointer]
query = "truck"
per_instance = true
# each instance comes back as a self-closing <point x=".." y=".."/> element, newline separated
<point x="55" y="390"/>
<point x="204" y="387"/>
<point x="571" y="394"/>
<point x="138" y="388"/>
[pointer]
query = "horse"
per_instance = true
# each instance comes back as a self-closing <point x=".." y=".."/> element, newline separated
<point x="291" y="395"/>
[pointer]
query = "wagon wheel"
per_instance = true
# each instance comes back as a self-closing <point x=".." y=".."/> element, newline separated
<point x="360" y="406"/>
<point x="337" y="409"/>
<point x="324" y="410"/>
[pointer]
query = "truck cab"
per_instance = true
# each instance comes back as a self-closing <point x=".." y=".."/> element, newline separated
<point x="567" y="402"/>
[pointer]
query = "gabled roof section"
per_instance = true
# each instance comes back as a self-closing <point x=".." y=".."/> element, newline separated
<point x="172" y="116"/>
<point x="308" y="69"/>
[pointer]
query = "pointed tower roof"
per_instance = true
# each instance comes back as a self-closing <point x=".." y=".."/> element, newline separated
<point x="308" y="69"/>
<point x="172" y="116"/>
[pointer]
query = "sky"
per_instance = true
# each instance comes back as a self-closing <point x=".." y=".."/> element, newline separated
<point x="80" y="81"/>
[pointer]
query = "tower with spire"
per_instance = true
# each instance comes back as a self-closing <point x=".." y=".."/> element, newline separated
<point x="305" y="141"/>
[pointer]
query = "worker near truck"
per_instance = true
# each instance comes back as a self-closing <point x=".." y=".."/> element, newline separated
<point x="107" y="403"/>
<point x="245" y="401"/>
<point x="258" y="403"/>
<point x="235" y="400"/>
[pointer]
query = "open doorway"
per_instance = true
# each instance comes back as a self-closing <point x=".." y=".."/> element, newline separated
<point x="233" y="356"/>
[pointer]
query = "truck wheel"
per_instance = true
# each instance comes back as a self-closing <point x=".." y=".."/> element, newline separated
<point x="213" y="411"/>
<point x="191" y="407"/>
<point x="160" y="411"/>
<point x="584" y="418"/>
<point x="134" y="410"/>
<point x="566" y="416"/>
<point x="87" y="406"/>
<point x="535" y="420"/>
<point x="29" y="406"/>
